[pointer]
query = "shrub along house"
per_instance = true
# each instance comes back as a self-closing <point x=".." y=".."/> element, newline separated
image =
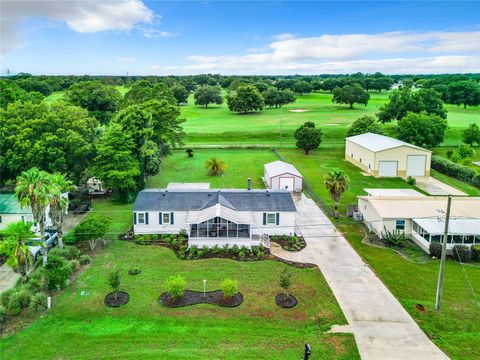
<point x="383" y="156"/>
<point x="422" y="218"/>
<point x="215" y="217"/>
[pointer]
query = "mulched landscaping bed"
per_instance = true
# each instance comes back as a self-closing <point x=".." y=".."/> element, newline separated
<point x="122" y="299"/>
<point x="134" y="271"/>
<point x="283" y="241"/>
<point x="196" y="297"/>
<point x="287" y="303"/>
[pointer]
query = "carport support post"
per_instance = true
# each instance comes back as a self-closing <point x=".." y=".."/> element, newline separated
<point x="442" y="260"/>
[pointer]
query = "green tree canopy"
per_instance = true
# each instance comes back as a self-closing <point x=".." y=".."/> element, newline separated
<point x="101" y="101"/>
<point x="208" y="94"/>
<point x="116" y="165"/>
<point x="278" y="98"/>
<point x="365" y="124"/>
<point x="14" y="245"/>
<point x="351" y="94"/>
<point x="92" y="229"/>
<point x="308" y="137"/>
<point x="466" y="93"/>
<point x="143" y="90"/>
<point x="55" y="138"/>
<point x="302" y="87"/>
<point x="471" y="134"/>
<point x="10" y="92"/>
<point x="337" y="182"/>
<point x="404" y="100"/>
<point x="180" y="93"/>
<point x="245" y="99"/>
<point x="422" y="129"/>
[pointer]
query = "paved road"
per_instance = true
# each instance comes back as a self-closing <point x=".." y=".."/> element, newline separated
<point x="381" y="326"/>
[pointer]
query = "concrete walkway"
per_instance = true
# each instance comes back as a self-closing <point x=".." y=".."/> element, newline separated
<point x="434" y="187"/>
<point x="381" y="326"/>
<point x="8" y="278"/>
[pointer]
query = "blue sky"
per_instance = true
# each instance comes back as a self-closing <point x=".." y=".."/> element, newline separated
<point x="144" y="37"/>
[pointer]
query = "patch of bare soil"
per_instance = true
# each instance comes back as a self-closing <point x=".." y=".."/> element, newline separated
<point x="190" y="298"/>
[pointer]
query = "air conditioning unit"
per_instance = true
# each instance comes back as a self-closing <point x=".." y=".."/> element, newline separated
<point x="357" y="216"/>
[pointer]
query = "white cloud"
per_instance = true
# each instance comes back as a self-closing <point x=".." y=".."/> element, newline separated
<point x="156" y="33"/>
<point x="392" y="52"/>
<point x="126" y="59"/>
<point x="83" y="16"/>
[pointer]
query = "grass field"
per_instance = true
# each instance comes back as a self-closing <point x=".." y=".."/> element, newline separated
<point x="81" y="327"/>
<point x="241" y="165"/>
<point x="217" y="125"/>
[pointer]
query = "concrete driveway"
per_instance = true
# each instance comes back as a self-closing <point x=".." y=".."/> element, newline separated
<point x="381" y="326"/>
<point x="8" y="278"/>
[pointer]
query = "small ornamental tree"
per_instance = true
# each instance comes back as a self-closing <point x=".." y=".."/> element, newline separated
<point x="208" y="94"/>
<point x="285" y="282"/>
<point x="471" y="134"/>
<point x="337" y="182"/>
<point x="350" y="94"/>
<point x="308" y="137"/>
<point x="114" y="282"/>
<point x="229" y="288"/>
<point x="365" y="124"/>
<point x="92" y="230"/>
<point x="245" y="99"/>
<point x="57" y="271"/>
<point x="215" y="166"/>
<point x="175" y="287"/>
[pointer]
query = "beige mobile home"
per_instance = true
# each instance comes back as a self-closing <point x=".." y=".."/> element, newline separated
<point x="383" y="156"/>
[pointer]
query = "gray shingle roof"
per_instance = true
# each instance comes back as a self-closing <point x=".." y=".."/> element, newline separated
<point x="187" y="200"/>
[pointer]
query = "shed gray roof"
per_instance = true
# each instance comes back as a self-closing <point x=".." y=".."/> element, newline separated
<point x="236" y="199"/>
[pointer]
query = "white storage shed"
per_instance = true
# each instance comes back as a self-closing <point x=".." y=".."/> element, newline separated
<point x="279" y="175"/>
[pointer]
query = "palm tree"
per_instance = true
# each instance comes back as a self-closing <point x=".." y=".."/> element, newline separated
<point x="215" y="166"/>
<point x="337" y="182"/>
<point x="14" y="245"/>
<point x="34" y="189"/>
<point x="59" y="203"/>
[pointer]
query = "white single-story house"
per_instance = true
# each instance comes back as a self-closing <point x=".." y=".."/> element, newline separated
<point x="422" y="218"/>
<point x="393" y="192"/>
<point x="383" y="156"/>
<point x="215" y="217"/>
<point x="279" y="175"/>
<point x="11" y="211"/>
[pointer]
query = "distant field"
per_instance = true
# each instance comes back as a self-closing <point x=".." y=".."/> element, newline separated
<point x="217" y="125"/>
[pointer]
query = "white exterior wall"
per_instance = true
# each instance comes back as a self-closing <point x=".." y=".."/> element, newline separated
<point x="274" y="182"/>
<point x="154" y="226"/>
<point x="400" y="155"/>
<point x="362" y="157"/>
<point x="286" y="226"/>
<point x="12" y="218"/>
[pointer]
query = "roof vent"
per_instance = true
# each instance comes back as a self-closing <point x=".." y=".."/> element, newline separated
<point x="209" y="194"/>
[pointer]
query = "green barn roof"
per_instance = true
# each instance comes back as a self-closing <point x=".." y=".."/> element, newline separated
<point x="10" y="205"/>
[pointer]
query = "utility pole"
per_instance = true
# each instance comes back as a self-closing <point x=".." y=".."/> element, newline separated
<point x="444" y="252"/>
<point x="281" y="127"/>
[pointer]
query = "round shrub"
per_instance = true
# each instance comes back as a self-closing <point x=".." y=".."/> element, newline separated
<point x="57" y="271"/>
<point x="436" y="250"/>
<point x="24" y="297"/>
<point x="229" y="288"/>
<point x="39" y="302"/>
<point x="3" y="314"/>
<point x="175" y="286"/>
<point x="37" y="280"/>
<point x="5" y="296"/>
<point x="68" y="252"/>
<point x="14" y="305"/>
<point x="475" y="252"/>
<point x="462" y="253"/>
<point x="70" y="238"/>
<point x="85" y="259"/>
<point x="74" y="252"/>
<point x="75" y="264"/>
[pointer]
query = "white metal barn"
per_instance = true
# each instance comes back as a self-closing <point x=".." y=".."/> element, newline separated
<point x="279" y="175"/>
<point x="383" y="156"/>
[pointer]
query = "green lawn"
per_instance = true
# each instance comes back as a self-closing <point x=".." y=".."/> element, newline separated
<point x="241" y="165"/>
<point x="456" y="328"/>
<point x="81" y="327"/>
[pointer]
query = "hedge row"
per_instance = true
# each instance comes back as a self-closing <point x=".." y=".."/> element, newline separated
<point x="457" y="171"/>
